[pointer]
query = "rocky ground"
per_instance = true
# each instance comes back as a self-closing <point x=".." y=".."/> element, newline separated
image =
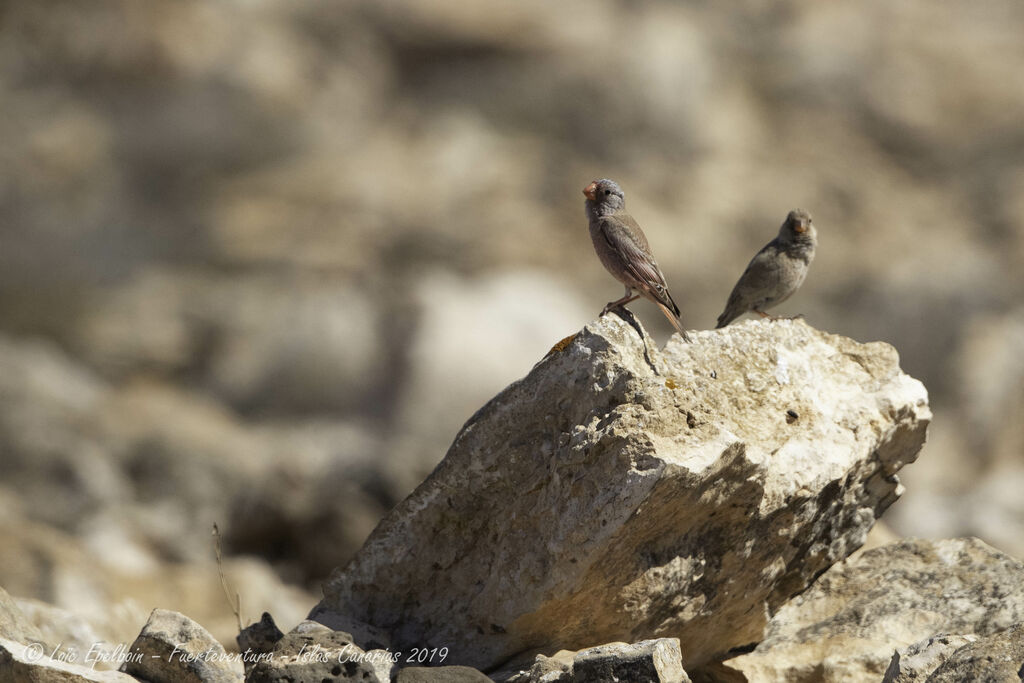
<point x="260" y="261"/>
<point x="625" y="513"/>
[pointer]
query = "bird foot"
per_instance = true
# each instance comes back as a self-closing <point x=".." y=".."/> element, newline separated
<point x="611" y="306"/>
<point x="773" y="318"/>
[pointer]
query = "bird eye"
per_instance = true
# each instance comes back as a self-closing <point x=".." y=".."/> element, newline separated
<point x="607" y="192"/>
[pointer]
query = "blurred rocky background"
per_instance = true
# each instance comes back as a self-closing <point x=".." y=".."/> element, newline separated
<point x="260" y="260"/>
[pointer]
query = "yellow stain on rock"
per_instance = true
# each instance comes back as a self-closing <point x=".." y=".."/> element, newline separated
<point x="561" y="346"/>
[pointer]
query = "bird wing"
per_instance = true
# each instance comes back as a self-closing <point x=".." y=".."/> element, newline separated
<point x="635" y="233"/>
<point x="629" y="242"/>
<point x="760" y="278"/>
<point x="763" y="269"/>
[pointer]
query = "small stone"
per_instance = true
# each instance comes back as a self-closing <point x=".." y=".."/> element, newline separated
<point x="258" y="639"/>
<point x="554" y="669"/>
<point x="441" y="674"/>
<point x="173" y="648"/>
<point x="314" y="652"/>
<point x="917" y="661"/>
<point x="998" y="657"/>
<point x="649" y="661"/>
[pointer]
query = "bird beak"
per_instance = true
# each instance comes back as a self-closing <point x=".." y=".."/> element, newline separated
<point x="591" y="191"/>
<point x="800" y="227"/>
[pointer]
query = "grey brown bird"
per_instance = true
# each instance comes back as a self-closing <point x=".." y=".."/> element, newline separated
<point x="776" y="271"/>
<point x="623" y="249"/>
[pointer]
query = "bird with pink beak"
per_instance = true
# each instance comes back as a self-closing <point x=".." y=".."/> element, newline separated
<point x="623" y="249"/>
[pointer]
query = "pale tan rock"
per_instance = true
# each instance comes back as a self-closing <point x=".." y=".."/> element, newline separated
<point x="600" y="499"/>
<point x="314" y="652"/>
<point x="174" y="648"/>
<point x="554" y="669"/>
<point x="541" y="669"/>
<point x="847" y="625"/>
<point x="914" y="663"/>
<point x="441" y="674"/>
<point x="14" y="624"/>
<point x="997" y="657"/>
<point x="649" y="661"/>
<point x="73" y="634"/>
<point x="20" y="662"/>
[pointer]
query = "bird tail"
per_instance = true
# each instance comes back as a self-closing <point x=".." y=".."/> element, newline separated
<point x="674" y="319"/>
<point x="733" y="309"/>
<point x="728" y="315"/>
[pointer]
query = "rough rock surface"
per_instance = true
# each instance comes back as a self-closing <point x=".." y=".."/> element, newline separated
<point x="541" y="669"/>
<point x="174" y="648"/>
<point x="313" y="652"/>
<point x="256" y="641"/>
<point x="13" y="622"/>
<point x="914" y="663"/>
<point x="441" y="674"/>
<point x="846" y="626"/>
<point x="72" y="635"/>
<point x="649" y="661"/>
<point x="619" y="492"/>
<point x="19" y="662"/>
<point x="990" y="659"/>
<point x="654" y="661"/>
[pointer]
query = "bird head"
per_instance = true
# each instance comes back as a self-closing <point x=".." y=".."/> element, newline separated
<point x="606" y="194"/>
<point x="798" y="221"/>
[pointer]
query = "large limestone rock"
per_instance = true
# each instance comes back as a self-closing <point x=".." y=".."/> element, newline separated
<point x="619" y="493"/>
<point x="847" y="625"/>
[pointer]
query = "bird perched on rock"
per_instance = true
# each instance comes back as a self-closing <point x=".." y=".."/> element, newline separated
<point x="622" y="247"/>
<point x="776" y="271"/>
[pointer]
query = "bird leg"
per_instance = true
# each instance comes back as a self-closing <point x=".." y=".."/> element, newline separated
<point x="621" y="302"/>
<point x="798" y="316"/>
<point x="630" y="319"/>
